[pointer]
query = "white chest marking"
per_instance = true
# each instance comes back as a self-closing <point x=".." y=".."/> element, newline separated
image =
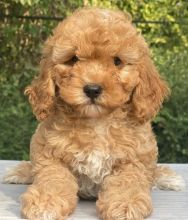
<point x="91" y="169"/>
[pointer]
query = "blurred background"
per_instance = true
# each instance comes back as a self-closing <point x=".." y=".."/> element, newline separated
<point x="24" y="26"/>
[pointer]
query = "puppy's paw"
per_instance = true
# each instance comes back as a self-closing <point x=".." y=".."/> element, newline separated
<point x="135" y="208"/>
<point x="45" y="206"/>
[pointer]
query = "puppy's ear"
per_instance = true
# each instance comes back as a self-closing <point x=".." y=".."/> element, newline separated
<point x="150" y="92"/>
<point x="41" y="92"/>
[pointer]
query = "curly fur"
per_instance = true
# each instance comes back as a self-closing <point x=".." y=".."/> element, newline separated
<point x="104" y="149"/>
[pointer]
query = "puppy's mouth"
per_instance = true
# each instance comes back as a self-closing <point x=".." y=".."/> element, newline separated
<point x="93" y="101"/>
<point x="88" y="109"/>
<point x="92" y="110"/>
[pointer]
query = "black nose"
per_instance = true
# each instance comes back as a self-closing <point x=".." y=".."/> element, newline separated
<point x="92" y="90"/>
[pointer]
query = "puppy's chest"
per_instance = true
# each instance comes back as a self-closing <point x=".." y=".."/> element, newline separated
<point x="94" y="157"/>
<point x="95" y="165"/>
<point x="91" y="169"/>
<point x="91" y="153"/>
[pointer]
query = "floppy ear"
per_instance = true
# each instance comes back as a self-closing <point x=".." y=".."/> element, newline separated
<point x="41" y="92"/>
<point x="150" y="92"/>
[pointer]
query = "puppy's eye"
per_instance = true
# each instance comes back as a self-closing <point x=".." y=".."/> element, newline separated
<point x="72" y="61"/>
<point x="117" y="61"/>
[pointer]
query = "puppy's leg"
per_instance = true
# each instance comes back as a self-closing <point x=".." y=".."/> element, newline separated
<point x="53" y="194"/>
<point x="125" y="195"/>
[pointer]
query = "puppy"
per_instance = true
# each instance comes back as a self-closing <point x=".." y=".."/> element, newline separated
<point x="95" y="97"/>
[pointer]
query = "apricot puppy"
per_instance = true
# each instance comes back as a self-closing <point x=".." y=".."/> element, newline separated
<point x="95" y="97"/>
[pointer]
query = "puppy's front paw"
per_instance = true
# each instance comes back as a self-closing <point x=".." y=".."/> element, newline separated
<point x="120" y="208"/>
<point x="45" y="206"/>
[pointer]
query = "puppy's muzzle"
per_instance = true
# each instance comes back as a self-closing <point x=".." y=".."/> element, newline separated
<point x="92" y="91"/>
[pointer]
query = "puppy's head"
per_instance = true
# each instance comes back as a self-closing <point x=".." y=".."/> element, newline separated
<point x="94" y="63"/>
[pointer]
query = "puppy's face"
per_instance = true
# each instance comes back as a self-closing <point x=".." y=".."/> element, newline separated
<point x="94" y="81"/>
<point x="94" y="63"/>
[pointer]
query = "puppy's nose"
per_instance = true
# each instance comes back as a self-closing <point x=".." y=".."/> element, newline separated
<point x="92" y="90"/>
